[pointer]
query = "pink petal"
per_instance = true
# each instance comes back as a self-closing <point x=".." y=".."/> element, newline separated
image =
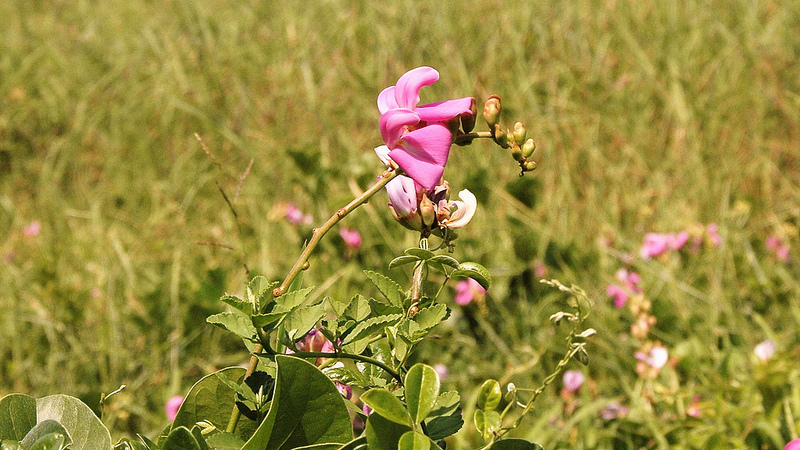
<point x="424" y="154"/>
<point x="445" y="110"/>
<point x="386" y="100"/>
<point x="402" y="195"/>
<point x="407" y="88"/>
<point x="393" y="125"/>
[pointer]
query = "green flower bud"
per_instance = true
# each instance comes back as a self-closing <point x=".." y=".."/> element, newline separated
<point x="527" y="148"/>
<point x="427" y="211"/>
<point x="516" y="152"/>
<point x="500" y="136"/>
<point x="519" y="133"/>
<point x="491" y="111"/>
<point x="529" y="166"/>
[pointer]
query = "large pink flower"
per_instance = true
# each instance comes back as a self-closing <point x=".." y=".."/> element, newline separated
<point x="418" y="137"/>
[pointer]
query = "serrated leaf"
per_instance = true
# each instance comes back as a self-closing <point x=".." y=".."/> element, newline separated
<point x="421" y="390"/>
<point x="17" y="416"/>
<point x="268" y="320"/>
<point x="236" y="322"/>
<point x="475" y="271"/>
<point x="301" y="320"/>
<point x="445" y="260"/>
<point x="257" y="289"/>
<point x="338" y="307"/>
<point x="386" y="405"/>
<point x="428" y="318"/>
<point x="236" y="302"/>
<point x="45" y="434"/>
<point x="402" y="261"/>
<point x="372" y="325"/>
<point x="387" y="287"/>
<point x="358" y="309"/>
<point x="83" y="426"/>
<point x="382" y="307"/>
<point x="419" y="253"/>
<point x="291" y="300"/>
<point x="413" y="440"/>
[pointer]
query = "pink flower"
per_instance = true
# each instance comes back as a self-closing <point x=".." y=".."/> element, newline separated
<point x="793" y="445"/>
<point x="712" y="230"/>
<point x="573" y="380"/>
<point x="345" y="390"/>
<point x="764" y="350"/>
<point x="618" y="294"/>
<point x="779" y="249"/>
<point x="613" y="410"/>
<point x="295" y="216"/>
<point x="441" y="370"/>
<point x="419" y="137"/>
<point x="352" y="238"/>
<point x="172" y="406"/>
<point x="657" y="358"/>
<point x="694" y="407"/>
<point x="468" y="290"/>
<point x="677" y="241"/>
<point x="33" y="229"/>
<point x="367" y="410"/>
<point x="403" y="197"/>
<point x="630" y="280"/>
<point x="654" y="244"/>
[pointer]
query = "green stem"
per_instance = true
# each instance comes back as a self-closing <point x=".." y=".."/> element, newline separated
<point x="302" y="264"/>
<point x="467" y="138"/>
<point x="342" y="355"/>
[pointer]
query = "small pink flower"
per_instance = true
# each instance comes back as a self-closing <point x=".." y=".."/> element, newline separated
<point x="345" y="390"/>
<point x="773" y="242"/>
<point x="793" y="445"/>
<point x="95" y="293"/>
<point x="367" y="410"/>
<point x="694" y="408"/>
<point x="779" y="249"/>
<point x="613" y="410"/>
<point x="441" y="370"/>
<point x="295" y="216"/>
<point x="539" y="269"/>
<point x="618" y="294"/>
<point x="33" y="229"/>
<point x="573" y="380"/>
<point x="654" y="244"/>
<point x="657" y="358"/>
<point x="678" y="240"/>
<point x="352" y="238"/>
<point x="467" y="290"/>
<point x="712" y="231"/>
<point x="172" y="406"/>
<point x="764" y="350"/>
<point x="630" y="280"/>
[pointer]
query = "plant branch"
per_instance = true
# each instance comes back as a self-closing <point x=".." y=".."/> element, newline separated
<point x="342" y="355"/>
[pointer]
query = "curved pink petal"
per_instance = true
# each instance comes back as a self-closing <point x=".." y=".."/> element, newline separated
<point x="466" y="209"/>
<point x="444" y="110"/>
<point x="424" y="153"/>
<point x="393" y="125"/>
<point x="386" y="100"/>
<point x="407" y="88"/>
<point x="402" y="195"/>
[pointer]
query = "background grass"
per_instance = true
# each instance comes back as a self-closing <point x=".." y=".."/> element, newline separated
<point x="650" y="116"/>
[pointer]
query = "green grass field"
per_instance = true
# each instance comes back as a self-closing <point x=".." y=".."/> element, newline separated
<point x="649" y="117"/>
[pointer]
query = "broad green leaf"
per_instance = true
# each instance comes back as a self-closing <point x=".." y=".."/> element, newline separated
<point x="306" y="409"/>
<point x="431" y="316"/>
<point x="301" y="320"/>
<point x="265" y="320"/>
<point x="475" y="271"/>
<point x="345" y="376"/>
<point x="490" y="395"/>
<point x="47" y="434"/>
<point x="243" y="391"/>
<point x="487" y="422"/>
<point x="422" y="391"/>
<point x="358" y="309"/>
<point x="445" y="260"/>
<point x="180" y="438"/>
<point x="291" y="300"/>
<point x="402" y="261"/>
<point x="515" y="444"/>
<point x="382" y="307"/>
<point x="236" y="322"/>
<point x="8" y="444"/>
<point x="356" y="443"/>
<point x="213" y="400"/>
<point x="198" y="436"/>
<point x="420" y="253"/>
<point x="258" y="288"/>
<point x="411" y="440"/>
<point x="147" y="442"/>
<point x="339" y="307"/>
<point x="17" y="416"/>
<point x="445" y="419"/>
<point x="83" y="426"/>
<point x="382" y="433"/>
<point x="357" y="340"/>
<point x="387" y="405"/>
<point x="236" y="302"/>
<point x="388" y="288"/>
<point x="225" y="441"/>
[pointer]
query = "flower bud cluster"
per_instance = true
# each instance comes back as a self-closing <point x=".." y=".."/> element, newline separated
<point x="522" y="147"/>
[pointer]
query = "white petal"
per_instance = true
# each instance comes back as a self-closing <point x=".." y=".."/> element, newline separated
<point x="383" y="155"/>
<point x="466" y="209"/>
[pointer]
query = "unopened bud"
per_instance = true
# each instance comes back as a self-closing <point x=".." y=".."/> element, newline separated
<point x="519" y="133"/>
<point x="468" y="120"/>
<point x="516" y="152"/>
<point x="427" y="211"/>
<point x="413" y="310"/>
<point x="527" y="148"/>
<point x="529" y="166"/>
<point x="500" y="136"/>
<point x="491" y="111"/>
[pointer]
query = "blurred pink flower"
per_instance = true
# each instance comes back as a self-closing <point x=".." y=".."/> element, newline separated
<point x="295" y="216"/>
<point x="418" y="136"/>
<point x="352" y="238"/>
<point x="172" y="406"/>
<point x="573" y="380"/>
<point x="712" y="231"/>
<point x="694" y="407"/>
<point x="654" y="244"/>
<point x="779" y="249"/>
<point x="657" y="358"/>
<point x="345" y="390"/>
<point x="613" y="410"/>
<point x="764" y="350"/>
<point x="793" y="445"/>
<point x="441" y="370"/>
<point x="33" y="229"/>
<point x="468" y="290"/>
<point x="618" y="294"/>
<point x="678" y="240"/>
<point x="539" y="269"/>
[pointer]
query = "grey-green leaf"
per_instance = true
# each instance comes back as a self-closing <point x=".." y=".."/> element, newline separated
<point x="180" y="439"/>
<point x="236" y="322"/>
<point x="302" y="319"/>
<point x="44" y="432"/>
<point x="83" y="426"/>
<point x="475" y="271"/>
<point x="402" y="261"/>
<point x="17" y="416"/>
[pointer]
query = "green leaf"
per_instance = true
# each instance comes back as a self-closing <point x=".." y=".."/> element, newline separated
<point x="445" y="260"/>
<point x="180" y="439"/>
<point x="51" y="441"/>
<point x="257" y="289"/>
<point x="411" y="440"/>
<point x="388" y="288"/>
<point x="515" y="444"/>
<point x="8" y="444"/>
<point x="46" y="434"/>
<point x="420" y="253"/>
<point x="301" y="320"/>
<point x="306" y="409"/>
<point x="345" y="376"/>
<point x="490" y="395"/>
<point x="382" y="433"/>
<point x="238" y="303"/>
<point x="225" y="441"/>
<point x="243" y="391"/>
<point x="402" y="261"/>
<point x="382" y="307"/>
<point x="265" y="320"/>
<point x="422" y="391"/>
<point x="291" y="300"/>
<point x="367" y="328"/>
<point x="83" y="426"/>
<point x="431" y="316"/>
<point x="487" y="422"/>
<point x="387" y="405"/>
<point x="339" y="307"/>
<point x="358" y="309"/>
<point x="445" y="419"/>
<point x="213" y="400"/>
<point x="236" y="322"/>
<point x="17" y="416"/>
<point x="355" y="443"/>
<point x="127" y="444"/>
<point x="475" y="271"/>
<point x="325" y="446"/>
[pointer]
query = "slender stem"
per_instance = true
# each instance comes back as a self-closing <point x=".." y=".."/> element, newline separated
<point x="302" y="264"/>
<point x="467" y="138"/>
<point x="342" y="355"/>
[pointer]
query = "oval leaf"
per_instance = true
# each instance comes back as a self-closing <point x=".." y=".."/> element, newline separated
<point x="515" y="444"/>
<point x="475" y="271"/>
<point x="487" y="422"/>
<point x="420" y="253"/>
<point x="422" y="391"/>
<point x="17" y="416"/>
<point x="446" y="260"/>
<point x="383" y="434"/>
<point x="412" y="440"/>
<point x="387" y="405"/>
<point x="402" y="261"/>
<point x="490" y="395"/>
<point x="46" y="434"/>
<point x="180" y="439"/>
<point x="83" y="426"/>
